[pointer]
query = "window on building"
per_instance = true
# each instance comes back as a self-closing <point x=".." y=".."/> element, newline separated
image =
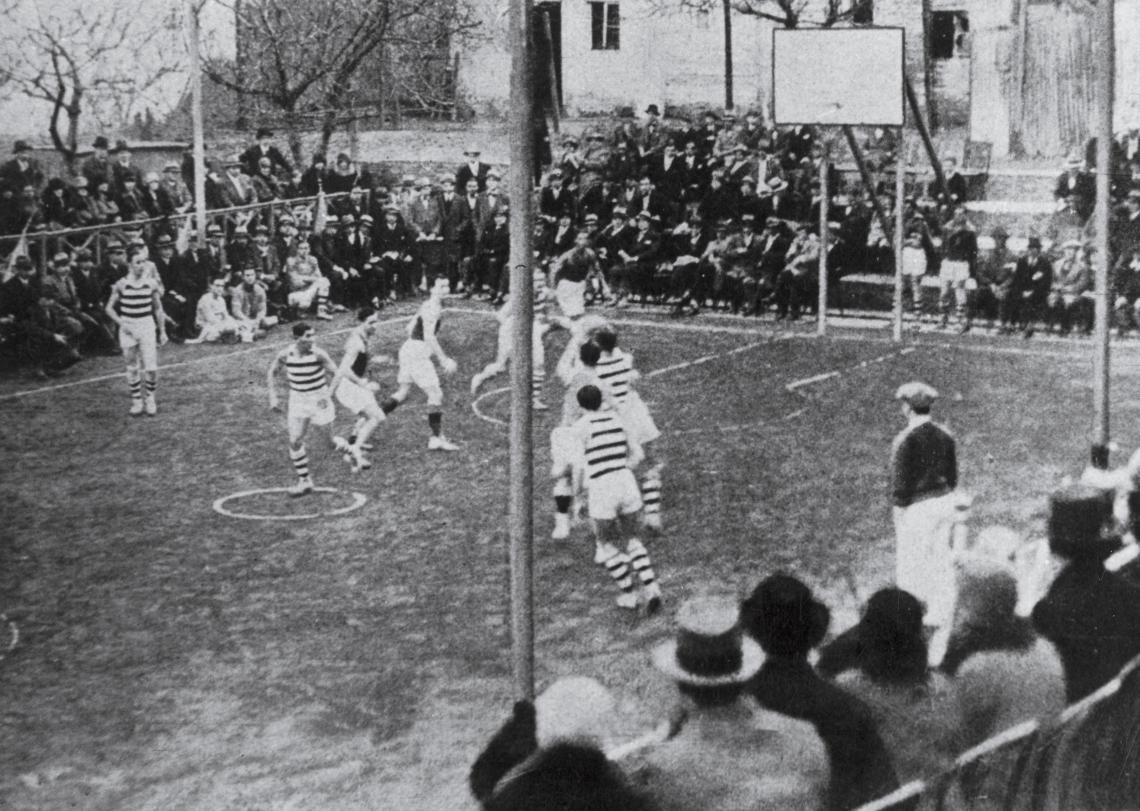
<point x="605" y="26"/>
<point x="949" y="35"/>
<point x="863" y="12"/>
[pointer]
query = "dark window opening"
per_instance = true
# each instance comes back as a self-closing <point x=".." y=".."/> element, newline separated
<point x="863" y="12"/>
<point x="949" y="35"/>
<point x="605" y="26"/>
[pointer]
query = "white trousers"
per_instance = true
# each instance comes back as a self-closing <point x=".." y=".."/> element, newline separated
<point x="924" y="555"/>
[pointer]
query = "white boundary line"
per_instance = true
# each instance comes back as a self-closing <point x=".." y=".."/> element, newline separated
<point x="13" y="636"/>
<point x="358" y="501"/>
<point x="488" y="417"/>
<point x="795" y="385"/>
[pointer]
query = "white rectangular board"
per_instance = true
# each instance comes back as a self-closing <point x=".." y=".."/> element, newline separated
<point x="832" y="76"/>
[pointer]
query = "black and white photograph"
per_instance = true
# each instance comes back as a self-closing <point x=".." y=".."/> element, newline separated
<point x="570" y="405"/>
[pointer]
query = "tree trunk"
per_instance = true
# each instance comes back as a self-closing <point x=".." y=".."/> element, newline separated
<point x="293" y="132"/>
<point x="334" y="104"/>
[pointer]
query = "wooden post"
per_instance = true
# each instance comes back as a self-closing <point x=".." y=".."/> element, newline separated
<point x="1105" y="45"/>
<point x="824" y="228"/>
<point x="521" y="478"/>
<point x="931" y="152"/>
<point x="900" y="226"/>
<point x="868" y="181"/>
<point x="555" y="103"/>
<point x="728" y="101"/>
<point x="196" y="117"/>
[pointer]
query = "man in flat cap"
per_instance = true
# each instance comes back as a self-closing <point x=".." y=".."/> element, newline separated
<point x="924" y="475"/>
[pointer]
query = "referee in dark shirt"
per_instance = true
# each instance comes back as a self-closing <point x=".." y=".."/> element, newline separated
<point x="924" y="476"/>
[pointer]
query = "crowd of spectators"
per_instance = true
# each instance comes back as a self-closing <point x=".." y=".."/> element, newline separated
<point x="762" y="720"/>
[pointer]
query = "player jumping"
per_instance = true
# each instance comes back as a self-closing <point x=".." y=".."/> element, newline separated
<point x="356" y="392"/>
<point x="136" y="306"/>
<point x="416" y="365"/>
<point x="614" y="500"/>
<point x="310" y="399"/>
<point x="506" y="338"/>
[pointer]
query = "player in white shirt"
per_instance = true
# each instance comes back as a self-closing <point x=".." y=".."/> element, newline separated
<point x="310" y="399"/>
<point x="416" y="367"/>
<point x="608" y="454"/>
<point x="356" y="391"/>
<point x="136" y="306"/>
<point x="615" y="368"/>
<point x="505" y="339"/>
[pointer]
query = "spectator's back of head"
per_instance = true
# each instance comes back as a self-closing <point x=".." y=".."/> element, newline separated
<point x="1081" y="525"/>
<point x="566" y="777"/>
<point x="893" y="647"/>
<point x="783" y="617"/>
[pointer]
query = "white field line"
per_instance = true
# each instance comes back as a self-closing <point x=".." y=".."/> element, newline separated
<point x="795" y="385"/>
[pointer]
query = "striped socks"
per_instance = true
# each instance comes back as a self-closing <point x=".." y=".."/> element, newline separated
<point x="638" y="557"/>
<point x="151" y="386"/>
<point x="135" y="384"/>
<point x="651" y="497"/>
<point x="300" y="458"/>
<point x="617" y="565"/>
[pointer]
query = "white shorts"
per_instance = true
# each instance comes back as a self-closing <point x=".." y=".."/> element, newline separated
<point x="316" y="407"/>
<point x="914" y="262"/>
<point x="571" y="297"/>
<point x="637" y="419"/>
<point x="612" y="495"/>
<point x="565" y="452"/>
<point x="416" y="366"/>
<point x="141" y="332"/>
<point x="303" y="299"/>
<point x="356" y="399"/>
<point x="954" y="272"/>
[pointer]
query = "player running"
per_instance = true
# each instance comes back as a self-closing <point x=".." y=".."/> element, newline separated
<point x="136" y="306"/>
<point x="609" y="455"/>
<point x="416" y="365"/>
<point x="356" y="392"/>
<point x="310" y="399"/>
<point x="615" y="369"/>
<point x="506" y="339"/>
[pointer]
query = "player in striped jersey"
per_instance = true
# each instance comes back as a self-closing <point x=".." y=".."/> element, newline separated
<point x="416" y="365"/>
<point x="135" y="305"/>
<point x="310" y="400"/>
<point x="615" y="368"/>
<point x="608" y="455"/>
<point x="506" y="338"/>
<point x="356" y="391"/>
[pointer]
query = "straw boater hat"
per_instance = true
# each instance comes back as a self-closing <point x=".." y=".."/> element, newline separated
<point x="710" y="650"/>
<point x="574" y="708"/>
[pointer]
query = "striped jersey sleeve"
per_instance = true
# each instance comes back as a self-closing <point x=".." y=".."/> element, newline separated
<point x="136" y="298"/>
<point x="616" y="372"/>
<point x="306" y="373"/>
<point x="605" y="444"/>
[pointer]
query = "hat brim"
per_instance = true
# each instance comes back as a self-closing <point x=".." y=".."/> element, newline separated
<point x="751" y="660"/>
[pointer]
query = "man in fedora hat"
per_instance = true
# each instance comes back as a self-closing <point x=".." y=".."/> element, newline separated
<point x="924" y="476"/>
<point x="264" y="148"/>
<point x="652" y="137"/>
<point x="236" y="186"/>
<point x="1090" y="614"/>
<point x="472" y="168"/>
<point x="22" y="171"/>
<point x="97" y="166"/>
<point x="1029" y="293"/>
<point x="1075" y="190"/>
<point x="731" y="753"/>
<point x="122" y="168"/>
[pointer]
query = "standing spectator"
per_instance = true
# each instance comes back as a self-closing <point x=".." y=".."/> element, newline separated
<point x="960" y="254"/>
<point x="1029" y="294"/>
<point x="1125" y="231"/>
<point x="652" y="137"/>
<point x="264" y="148"/>
<point x="97" y="167"/>
<point x="1090" y="614"/>
<point x="173" y="194"/>
<point x="451" y="229"/>
<point x="924" y="475"/>
<point x="954" y="192"/>
<point x="491" y="201"/>
<point x="883" y="662"/>
<point x="22" y="171"/>
<point x="122" y="168"/>
<point x="468" y="235"/>
<point x="92" y="292"/>
<point x="1075" y="190"/>
<point x="554" y="200"/>
<point x="731" y="753"/>
<point x="179" y="315"/>
<point x="783" y="616"/>
<point x="495" y="249"/>
<point x="472" y="169"/>
<point x="351" y="257"/>
<point x="1004" y="674"/>
<point x="344" y="177"/>
<point x="313" y="179"/>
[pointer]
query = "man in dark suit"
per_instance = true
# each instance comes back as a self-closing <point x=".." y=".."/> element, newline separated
<point x="472" y="168"/>
<point x="21" y="171"/>
<point x="1032" y="280"/>
<point x="1076" y="189"/>
<point x="693" y="166"/>
<point x="651" y="201"/>
<point x="469" y="234"/>
<point x="97" y="167"/>
<point x="742" y="266"/>
<point x="774" y="244"/>
<point x="555" y="200"/>
<point x="264" y="148"/>
<point x="669" y="175"/>
<point x="122" y="168"/>
<point x="639" y="259"/>
<point x="451" y="226"/>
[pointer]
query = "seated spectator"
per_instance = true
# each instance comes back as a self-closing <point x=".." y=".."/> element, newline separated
<point x="56" y="205"/>
<point x="83" y="209"/>
<point x="91" y="291"/>
<point x="313" y="179"/>
<point x="249" y="305"/>
<point x="1126" y="291"/>
<point x="105" y="206"/>
<point x="266" y="187"/>
<point x="883" y="660"/>
<point x="550" y="754"/>
<point x="1003" y="672"/>
<point x="1029" y="291"/>
<point x="1090" y="614"/>
<point x="344" y="176"/>
<point x="58" y="278"/>
<point x="731" y="753"/>
<point x="1072" y="278"/>
<point x="41" y="338"/>
<point x="788" y="622"/>
<point x="308" y="287"/>
<point x="799" y="278"/>
<point x="213" y="317"/>
<point x="995" y="281"/>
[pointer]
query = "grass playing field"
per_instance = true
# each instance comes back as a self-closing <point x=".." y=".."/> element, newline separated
<point x="170" y="656"/>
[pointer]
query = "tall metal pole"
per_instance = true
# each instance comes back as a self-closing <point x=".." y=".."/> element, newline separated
<point x="521" y="479"/>
<point x="1105" y="40"/>
<point x="196" y="118"/>
<point x="728" y="102"/>
<point x="900" y="224"/>
<point x="824" y="204"/>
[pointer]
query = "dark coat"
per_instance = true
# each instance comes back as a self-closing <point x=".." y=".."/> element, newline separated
<point x="252" y="156"/>
<point x="1092" y="617"/>
<point x="464" y="173"/>
<point x="1024" y="281"/>
<point x="1080" y="190"/>
<point x="566" y="777"/>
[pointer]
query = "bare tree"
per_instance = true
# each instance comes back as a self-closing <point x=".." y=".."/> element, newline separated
<point x="302" y="58"/>
<point x="100" y="58"/>
<point x="787" y="13"/>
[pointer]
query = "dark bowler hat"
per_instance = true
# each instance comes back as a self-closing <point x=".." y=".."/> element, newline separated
<point x="21" y="146"/>
<point x="121" y="146"/>
<point x="1034" y="242"/>
<point x="652" y="110"/>
<point x="1081" y="524"/>
<point x="264" y="132"/>
<point x="163" y="241"/>
<point x="709" y="649"/>
<point x="101" y="143"/>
